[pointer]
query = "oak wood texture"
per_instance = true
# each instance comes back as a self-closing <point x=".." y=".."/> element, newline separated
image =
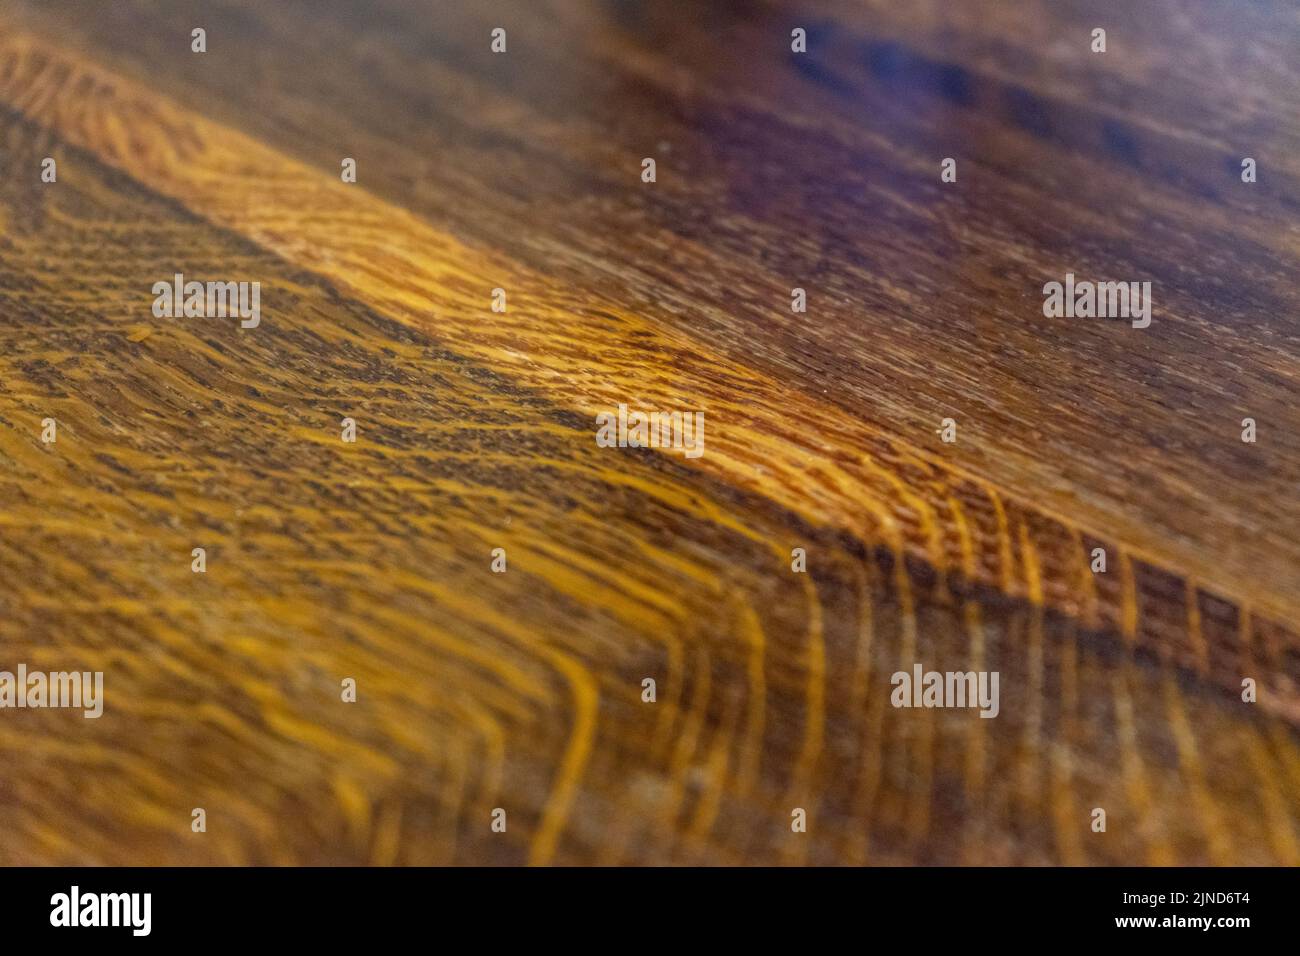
<point x="522" y="690"/>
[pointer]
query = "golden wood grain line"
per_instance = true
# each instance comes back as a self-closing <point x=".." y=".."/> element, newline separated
<point x="521" y="690"/>
<point x="393" y="260"/>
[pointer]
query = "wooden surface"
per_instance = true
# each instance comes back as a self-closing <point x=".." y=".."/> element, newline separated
<point x="522" y="690"/>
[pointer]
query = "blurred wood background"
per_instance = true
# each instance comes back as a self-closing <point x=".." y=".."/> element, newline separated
<point x="522" y="690"/>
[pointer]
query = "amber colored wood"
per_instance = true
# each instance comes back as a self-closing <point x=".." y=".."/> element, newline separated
<point x="522" y="690"/>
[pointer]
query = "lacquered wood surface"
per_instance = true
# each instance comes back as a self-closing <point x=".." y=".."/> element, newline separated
<point x="522" y="690"/>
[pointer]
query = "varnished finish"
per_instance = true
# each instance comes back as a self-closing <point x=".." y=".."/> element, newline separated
<point x="522" y="690"/>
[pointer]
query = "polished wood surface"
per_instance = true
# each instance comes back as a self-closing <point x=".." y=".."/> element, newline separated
<point x="522" y="690"/>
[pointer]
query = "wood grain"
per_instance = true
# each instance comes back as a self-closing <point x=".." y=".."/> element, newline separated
<point x="522" y="690"/>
